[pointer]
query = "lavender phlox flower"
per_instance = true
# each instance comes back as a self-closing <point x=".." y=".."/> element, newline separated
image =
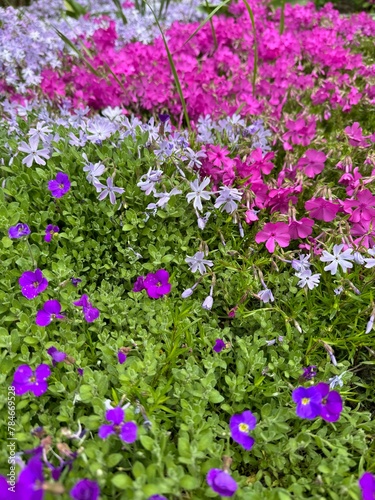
<point x="358" y="258"/>
<point x="336" y="381"/>
<point x="114" y="114"/>
<point x="25" y="379"/>
<point x="127" y="431"/>
<point x="32" y="283"/>
<point x="51" y="310"/>
<point x="147" y="181"/>
<point x="33" y="153"/>
<point x="152" y="129"/>
<point x="189" y="291"/>
<point x="370" y="323"/>
<point x="338" y="290"/>
<point x="240" y="425"/>
<point x="18" y="231"/>
<point x="202" y="221"/>
<point x="338" y="258"/>
<point x="198" y="193"/>
<point x="40" y="132"/>
<point x="306" y="278"/>
<point x="208" y="302"/>
<point x="266" y="296"/>
<point x="270" y="342"/>
<point x="193" y="157"/>
<point x="197" y="262"/>
<point x="99" y="129"/>
<point x="302" y="263"/>
<point x="109" y="189"/>
<point x="59" y="186"/>
<point x="165" y="150"/>
<point x="94" y="171"/>
<point x="79" y="141"/>
<point x="165" y="197"/>
<point x="370" y="262"/>
<point x="85" y="489"/>
<point x="227" y="199"/>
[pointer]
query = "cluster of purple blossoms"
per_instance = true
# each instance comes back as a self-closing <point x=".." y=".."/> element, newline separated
<point x="318" y="401"/>
<point x="25" y="379"/>
<point x="155" y="284"/>
<point x="18" y="231"/>
<point x="127" y="431"/>
<point x="60" y="185"/>
<point x="90" y="312"/>
<point x="51" y="310"/>
<point x="32" y="283"/>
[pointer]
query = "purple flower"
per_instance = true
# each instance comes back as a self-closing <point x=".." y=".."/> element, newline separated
<point x="163" y="117"/>
<point x="51" y="310"/>
<point x="219" y="345"/>
<point x="80" y="372"/>
<point x="75" y="281"/>
<point x="25" y="379"/>
<point x="221" y="482"/>
<point x="240" y="425"/>
<point x="121" y="356"/>
<point x="60" y="185"/>
<point x="367" y="485"/>
<point x="89" y="312"/>
<point x="139" y="284"/>
<point x="309" y="372"/>
<point x="127" y="431"/>
<point x="57" y="356"/>
<point x="157" y="285"/>
<point x="50" y="231"/>
<point x="85" y="489"/>
<point x="29" y="483"/>
<point x="157" y="497"/>
<point x="331" y="405"/>
<point x="32" y="284"/>
<point x="308" y="402"/>
<point x="18" y="231"/>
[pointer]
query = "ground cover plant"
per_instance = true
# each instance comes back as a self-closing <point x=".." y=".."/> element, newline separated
<point x="187" y="252"/>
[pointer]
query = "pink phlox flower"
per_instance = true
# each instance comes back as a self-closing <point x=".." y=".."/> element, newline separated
<point x="260" y="162"/>
<point x="273" y="233"/>
<point x="355" y="135"/>
<point x="300" y="228"/>
<point x="322" y="209"/>
<point x="362" y="208"/>
<point x="365" y="231"/>
<point x="312" y="163"/>
<point x="300" y="131"/>
<point x="278" y="200"/>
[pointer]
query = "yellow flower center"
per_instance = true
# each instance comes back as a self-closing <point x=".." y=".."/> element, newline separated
<point x="244" y="428"/>
<point x="305" y="401"/>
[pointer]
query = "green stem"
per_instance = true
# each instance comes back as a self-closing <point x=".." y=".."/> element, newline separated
<point x="31" y="254"/>
<point x="255" y="70"/>
<point x="213" y="31"/>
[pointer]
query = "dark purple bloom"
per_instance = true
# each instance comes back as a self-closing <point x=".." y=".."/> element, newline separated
<point x="80" y="371"/>
<point x="240" y="425"/>
<point x="32" y="283"/>
<point x="18" y="231"/>
<point x="367" y="485"/>
<point x="60" y="185"/>
<point x="139" y="284"/>
<point x="157" y="285"/>
<point x="157" y="497"/>
<point x="29" y="484"/>
<point x="121" y="356"/>
<point x="50" y="231"/>
<point x="331" y="404"/>
<point x="219" y="345"/>
<point x="25" y="379"/>
<point x="85" y="489"/>
<point x="308" y="402"/>
<point x="89" y="312"/>
<point x="127" y="431"/>
<point x="51" y="310"/>
<point x="221" y="482"/>
<point x="75" y="281"/>
<point x="309" y="372"/>
<point x="163" y="117"/>
<point x="57" y="356"/>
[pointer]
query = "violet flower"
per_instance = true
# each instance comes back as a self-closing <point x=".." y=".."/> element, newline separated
<point x="240" y="425"/>
<point x="157" y="285"/>
<point x="331" y="404"/>
<point x="127" y="431"/>
<point x="25" y="379"/>
<point x="51" y="310"/>
<point x="75" y="281"/>
<point x="219" y="345"/>
<point x="32" y="283"/>
<point x="60" y="185"/>
<point x="89" y="312"/>
<point x="29" y="484"/>
<point x="50" y="231"/>
<point x="308" y="402"/>
<point x="85" y="489"/>
<point x="309" y="372"/>
<point x="367" y="485"/>
<point x="121" y="356"/>
<point x="221" y="482"/>
<point x="157" y="497"/>
<point x="57" y="356"/>
<point x="18" y="231"/>
<point x="139" y="284"/>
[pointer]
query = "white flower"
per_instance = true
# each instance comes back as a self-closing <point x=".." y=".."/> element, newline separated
<point x="302" y="263"/>
<point x="370" y="262"/>
<point x="113" y="114"/>
<point x="227" y="197"/>
<point x="164" y="197"/>
<point x="309" y="279"/>
<point x="110" y="190"/>
<point x="41" y="132"/>
<point x="34" y="154"/>
<point x="338" y="258"/>
<point x="198" y="263"/>
<point x="198" y="193"/>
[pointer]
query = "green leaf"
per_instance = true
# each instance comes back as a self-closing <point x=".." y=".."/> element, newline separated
<point x="189" y="483"/>
<point x="122" y="481"/>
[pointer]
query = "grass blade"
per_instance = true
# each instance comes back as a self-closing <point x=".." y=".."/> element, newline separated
<point x="120" y="11"/>
<point x="255" y="70"/>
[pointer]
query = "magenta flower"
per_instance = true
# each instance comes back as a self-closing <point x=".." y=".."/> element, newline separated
<point x="157" y="285"/>
<point x="32" y="283"/>
<point x="29" y="483"/>
<point x="364" y="207"/>
<point x="367" y="485"/>
<point x="322" y="209"/>
<point x="355" y="135"/>
<point x="331" y="405"/>
<point x="219" y="345"/>
<point x="121" y="356"/>
<point x="139" y="284"/>
<point x="18" y="231"/>
<point x="51" y="310"/>
<point x="25" y="379"/>
<point x="60" y="185"/>
<point x="221" y="482"/>
<point x="240" y="425"/>
<point x="157" y="497"/>
<point x="127" y="431"/>
<point x="274" y="233"/>
<point x="300" y="228"/>
<point x="308" y="402"/>
<point x="56" y="355"/>
<point x="85" y="489"/>
<point x="90" y="313"/>
<point x="312" y="163"/>
<point x="50" y="231"/>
